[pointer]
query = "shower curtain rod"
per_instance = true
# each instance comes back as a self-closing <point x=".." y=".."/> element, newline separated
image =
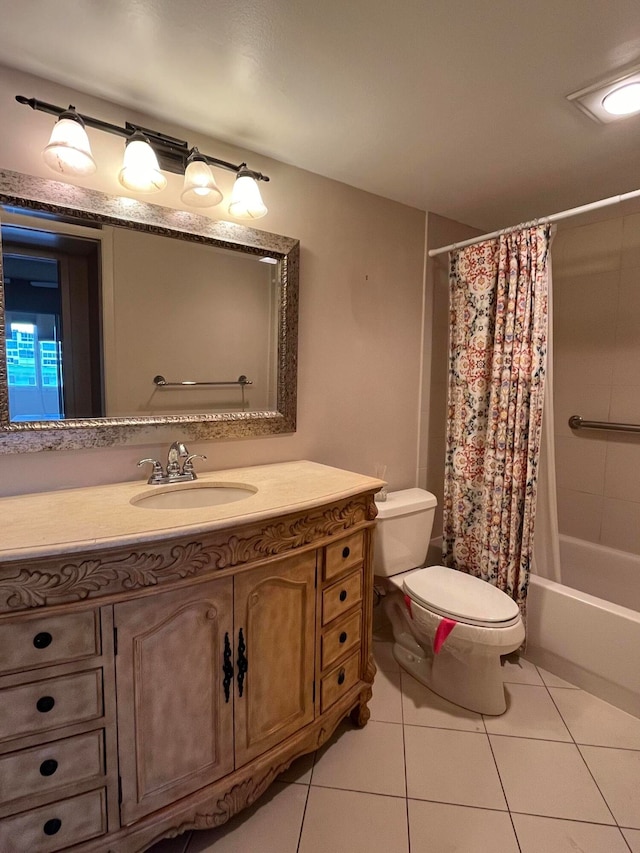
<point x="564" y="214"/>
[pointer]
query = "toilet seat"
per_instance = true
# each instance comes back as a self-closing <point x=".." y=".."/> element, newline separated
<point x="464" y="598"/>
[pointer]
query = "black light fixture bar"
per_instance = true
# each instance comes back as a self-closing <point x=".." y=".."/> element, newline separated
<point x="172" y="153"/>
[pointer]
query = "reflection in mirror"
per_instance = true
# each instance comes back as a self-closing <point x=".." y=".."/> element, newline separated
<point x="114" y="323"/>
<point x="93" y="319"/>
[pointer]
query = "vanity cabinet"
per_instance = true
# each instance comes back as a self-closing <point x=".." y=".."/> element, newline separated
<point x="58" y="779"/>
<point x="274" y="626"/>
<point x="159" y="686"/>
<point x="175" y="728"/>
<point x="192" y="721"/>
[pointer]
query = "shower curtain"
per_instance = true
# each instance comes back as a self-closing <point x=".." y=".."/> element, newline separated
<point x="546" y="542"/>
<point x="497" y="360"/>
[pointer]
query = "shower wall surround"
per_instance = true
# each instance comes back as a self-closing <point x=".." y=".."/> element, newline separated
<point x="596" y="284"/>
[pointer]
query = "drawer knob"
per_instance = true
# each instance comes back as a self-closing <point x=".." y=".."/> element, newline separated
<point x="343" y="637"/>
<point x="42" y="640"/>
<point x="45" y="703"/>
<point x="345" y="552"/>
<point x="343" y="595"/>
<point x="48" y="767"/>
<point x="52" y="826"/>
<point x="341" y="677"/>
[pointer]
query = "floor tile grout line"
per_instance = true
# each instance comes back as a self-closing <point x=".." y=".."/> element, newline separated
<point x="461" y="805"/>
<point x="304" y="810"/>
<point x="504" y="793"/>
<point x="404" y="758"/>
<point x="584" y="761"/>
<point x="595" y="782"/>
<point x="532" y="737"/>
<point x="564" y="722"/>
<point x="360" y="791"/>
<point x="569" y="819"/>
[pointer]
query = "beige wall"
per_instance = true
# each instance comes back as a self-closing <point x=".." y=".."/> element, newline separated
<point x="596" y="281"/>
<point x="435" y="371"/>
<point x="187" y="312"/>
<point x="361" y="292"/>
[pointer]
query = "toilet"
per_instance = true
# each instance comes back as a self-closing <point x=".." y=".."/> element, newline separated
<point x="450" y="628"/>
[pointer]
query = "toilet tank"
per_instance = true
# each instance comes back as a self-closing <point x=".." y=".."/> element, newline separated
<point x="403" y="531"/>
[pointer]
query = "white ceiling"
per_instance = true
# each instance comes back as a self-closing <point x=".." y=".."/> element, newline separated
<point x="453" y="106"/>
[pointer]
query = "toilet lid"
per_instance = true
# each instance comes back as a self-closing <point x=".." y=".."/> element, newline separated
<point x="461" y="597"/>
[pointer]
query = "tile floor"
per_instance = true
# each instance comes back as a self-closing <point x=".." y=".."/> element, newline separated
<point x="559" y="771"/>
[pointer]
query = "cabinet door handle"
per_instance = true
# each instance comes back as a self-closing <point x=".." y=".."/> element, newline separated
<point x="243" y="662"/>
<point x="227" y="667"/>
<point x="343" y="595"/>
<point x="343" y="637"/>
<point x="341" y="676"/>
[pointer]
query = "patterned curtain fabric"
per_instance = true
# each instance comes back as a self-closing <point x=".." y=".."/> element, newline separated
<point x="497" y="359"/>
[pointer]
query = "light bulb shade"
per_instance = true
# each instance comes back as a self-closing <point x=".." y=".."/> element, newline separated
<point x="68" y="151"/>
<point x="246" y="201"/>
<point x="200" y="188"/>
<point x="140" y="170"/>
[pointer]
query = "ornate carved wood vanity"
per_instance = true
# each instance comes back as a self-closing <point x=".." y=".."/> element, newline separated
<point x="160" y="681"/>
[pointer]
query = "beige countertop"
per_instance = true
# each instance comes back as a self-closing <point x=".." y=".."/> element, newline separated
<point x="72" y="520"/>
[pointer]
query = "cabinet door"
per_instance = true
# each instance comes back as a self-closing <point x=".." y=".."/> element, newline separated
<point x="175" y="724"/>
<point x="274" y="619"/>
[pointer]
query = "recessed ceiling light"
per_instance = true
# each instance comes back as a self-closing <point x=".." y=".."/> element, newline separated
<point x="623" y="101"/>
<point x="610" y="100"/>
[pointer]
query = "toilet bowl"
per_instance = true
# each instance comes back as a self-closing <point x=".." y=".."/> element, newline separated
<point x="450" y="629"/>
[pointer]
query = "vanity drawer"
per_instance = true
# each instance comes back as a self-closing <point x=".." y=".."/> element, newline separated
<point x="338" y="681"/>
<point x="31" y="642"/>
<point x="342" y="596"/>
<point x="56" y="826"/>
<point x="45" y="768"/>
<point x="338" y="640"/>
<point x="43" y="705"/>
<point x="343" y="555"/>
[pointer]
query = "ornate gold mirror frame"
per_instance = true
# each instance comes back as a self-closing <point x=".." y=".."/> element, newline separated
<point x="66" y="200"/>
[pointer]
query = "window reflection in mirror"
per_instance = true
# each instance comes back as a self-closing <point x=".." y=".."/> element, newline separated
<point x="53" y="317"/>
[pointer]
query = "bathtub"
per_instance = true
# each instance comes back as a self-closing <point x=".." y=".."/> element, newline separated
<point x="578" y="635"/>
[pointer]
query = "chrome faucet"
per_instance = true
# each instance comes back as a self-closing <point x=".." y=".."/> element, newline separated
<point x="175" y="472"/>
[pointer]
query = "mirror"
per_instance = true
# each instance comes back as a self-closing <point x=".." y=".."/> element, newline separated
<point x="118" y="316"/>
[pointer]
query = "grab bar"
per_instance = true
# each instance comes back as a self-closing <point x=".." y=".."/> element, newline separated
<point x="161" y="382"/>
<point x="576" y="422"/>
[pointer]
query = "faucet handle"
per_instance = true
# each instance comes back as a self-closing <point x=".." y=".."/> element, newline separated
<point x="157" y="475"/>
<point x="187" y="468"/>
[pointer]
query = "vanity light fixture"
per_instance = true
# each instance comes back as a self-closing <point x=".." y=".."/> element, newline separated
<point x="147" y="154"/>
<point x="200" y="188"/>
<point x="140" y="168"/>
<point x="69" y="151"/>
<point x="246" y="201"/>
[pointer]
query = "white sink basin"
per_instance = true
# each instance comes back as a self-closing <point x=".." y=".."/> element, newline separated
<point x="193" y="495"/>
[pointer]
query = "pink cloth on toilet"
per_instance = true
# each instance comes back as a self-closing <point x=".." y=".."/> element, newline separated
<point x="407" y="601"/>
<point x="445" y="627"/>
